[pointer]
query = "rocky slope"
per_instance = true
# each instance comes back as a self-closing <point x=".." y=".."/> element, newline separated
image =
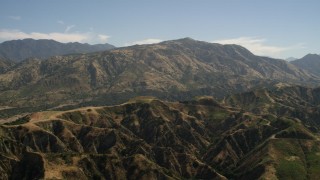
<point x="146" y="138"/>
<point x="19" y="50"/>
<point x="172" y="70"/>
<point x="310" y="62"/>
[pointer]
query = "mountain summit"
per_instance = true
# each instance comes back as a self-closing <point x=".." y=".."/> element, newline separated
<point x="310" y="62"/>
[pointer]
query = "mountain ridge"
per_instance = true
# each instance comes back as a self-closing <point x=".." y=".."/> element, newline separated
<point x="149" y="138"/>
<point x="18" y="50"/>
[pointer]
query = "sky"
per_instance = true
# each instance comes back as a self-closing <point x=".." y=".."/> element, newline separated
<point x="274" y="28"/>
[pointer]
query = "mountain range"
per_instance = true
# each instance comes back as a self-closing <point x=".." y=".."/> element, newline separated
<point x="172" y="70"/>
<point x="179" y="109"/>
<point x="19" y="50"/>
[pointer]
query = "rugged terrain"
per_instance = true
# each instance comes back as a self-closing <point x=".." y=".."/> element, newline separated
<point x="145" y="138"/>
<point x="19" y="50"/>
<point x="171" y="70"/>
<point x="258" y="125"/>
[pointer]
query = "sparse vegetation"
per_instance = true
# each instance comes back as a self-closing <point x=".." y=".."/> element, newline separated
<point x="21" y="120"/>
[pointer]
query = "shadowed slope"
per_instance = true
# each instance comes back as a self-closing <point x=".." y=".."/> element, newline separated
<point x="147" y="138"/>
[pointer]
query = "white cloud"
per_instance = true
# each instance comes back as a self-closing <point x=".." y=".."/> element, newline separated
<point x="145" y="41"/>
<point x="88" y="37"/>
<point x="68" y="28"/>
<point x="258" y="46"/>
<point x="103" y="38"/>
<point x="17" y="18"/>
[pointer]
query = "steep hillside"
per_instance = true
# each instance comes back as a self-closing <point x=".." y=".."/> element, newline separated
<point x="146" y="138"/>
<point x="19" y="50"/>
<point x="141" y="139"/>
<point x="173" y="70"/>
<point x="310" y="62"/>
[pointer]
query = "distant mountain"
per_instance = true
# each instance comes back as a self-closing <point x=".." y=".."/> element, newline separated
<point x="310" y="62"/>
<point x="18" y="50"/>
<point x="173" y="70"/>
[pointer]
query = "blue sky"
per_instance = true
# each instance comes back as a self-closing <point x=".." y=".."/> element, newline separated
<point x="276" y="28"/>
